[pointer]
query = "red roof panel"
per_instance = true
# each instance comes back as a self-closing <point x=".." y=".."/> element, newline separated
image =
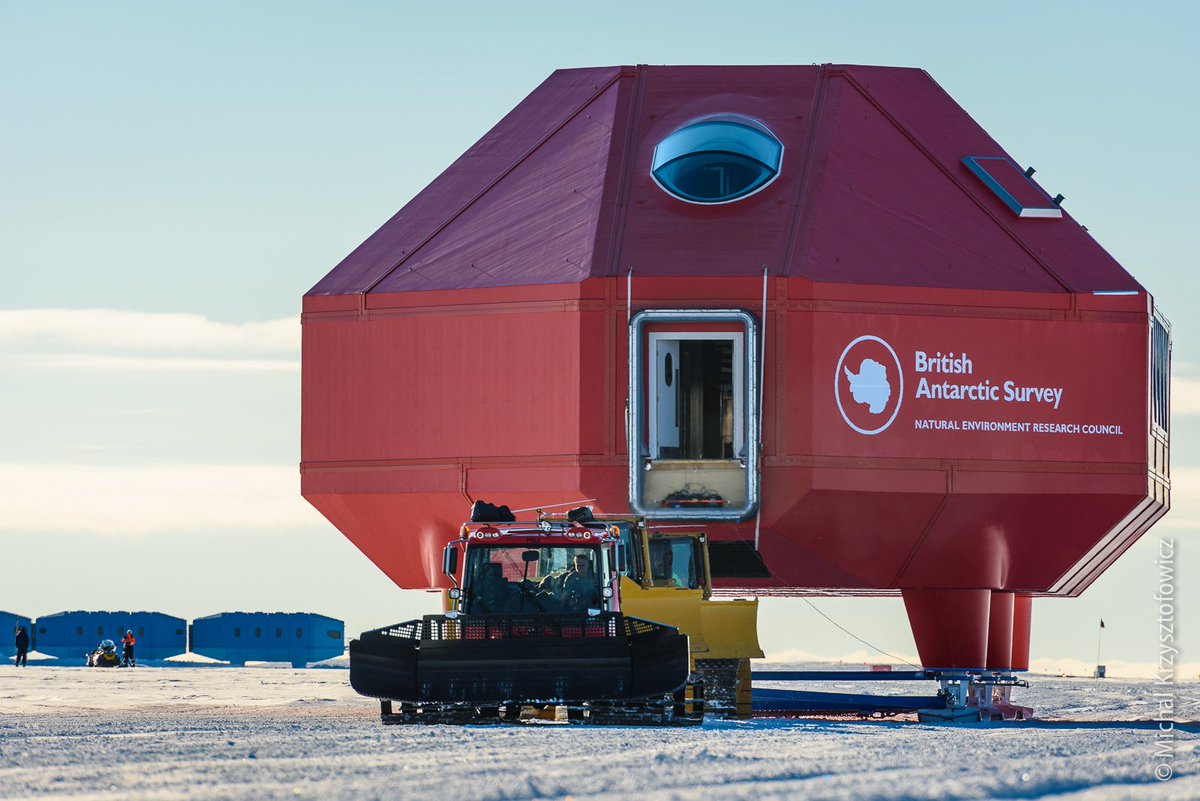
<point x="884" y="210"/>
<point x="537" y="117"/>
<point x="872" y="190"/>
<point x="535" y="224"/>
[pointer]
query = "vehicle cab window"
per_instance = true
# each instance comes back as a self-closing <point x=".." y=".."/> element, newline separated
<point x="631" y="553"/>
<point x="675" y="562"/>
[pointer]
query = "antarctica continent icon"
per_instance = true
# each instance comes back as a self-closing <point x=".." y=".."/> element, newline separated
<point x="868" y="397"/>
<point x="870" y="386"/>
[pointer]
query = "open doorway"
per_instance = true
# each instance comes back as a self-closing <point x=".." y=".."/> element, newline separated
<point x="692" y="401"/>
<point x="697" y="397"/>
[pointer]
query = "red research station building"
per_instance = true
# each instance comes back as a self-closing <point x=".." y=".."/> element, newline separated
<point x="816" y="307"/>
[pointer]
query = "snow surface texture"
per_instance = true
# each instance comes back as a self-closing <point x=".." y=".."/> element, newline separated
<point x="241" y="733"/>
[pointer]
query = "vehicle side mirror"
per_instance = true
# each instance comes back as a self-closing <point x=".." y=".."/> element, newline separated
<point x="450" y="560"/>
<point x="530" y="556"/>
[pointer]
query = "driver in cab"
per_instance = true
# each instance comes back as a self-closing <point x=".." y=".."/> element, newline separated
<point x="660" y="565"/>
<point x="579" y="585"/>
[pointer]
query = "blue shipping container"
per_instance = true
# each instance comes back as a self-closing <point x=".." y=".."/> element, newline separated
<point x="294" y="637"/>
<point x="71" y="635"/>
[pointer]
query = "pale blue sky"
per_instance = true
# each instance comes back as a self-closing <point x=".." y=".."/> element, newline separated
<point x="212" y="161"/>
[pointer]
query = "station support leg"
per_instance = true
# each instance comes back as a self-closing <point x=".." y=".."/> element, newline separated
<point x="973" y="641"/>
<point x="950" y="627"/>
<point x="1022" y="617"/>
<point x="1000" y="631"/>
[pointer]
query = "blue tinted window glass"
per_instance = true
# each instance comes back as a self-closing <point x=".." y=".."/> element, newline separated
<point x="716" y="161"/>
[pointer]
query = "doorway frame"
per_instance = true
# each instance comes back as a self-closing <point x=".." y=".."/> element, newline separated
<point x="640" y="407"/>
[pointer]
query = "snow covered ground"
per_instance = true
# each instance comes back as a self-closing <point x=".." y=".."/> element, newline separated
<point x="243" y="733"/>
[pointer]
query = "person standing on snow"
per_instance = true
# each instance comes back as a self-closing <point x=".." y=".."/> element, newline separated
<point x="127" y="643"/>
<point x="22" y="643"/>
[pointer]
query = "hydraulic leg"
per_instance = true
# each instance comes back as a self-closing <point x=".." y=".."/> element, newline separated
<point x="976" y="696"/>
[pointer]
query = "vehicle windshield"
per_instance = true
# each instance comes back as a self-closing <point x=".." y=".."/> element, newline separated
<point x="519" y="579"/>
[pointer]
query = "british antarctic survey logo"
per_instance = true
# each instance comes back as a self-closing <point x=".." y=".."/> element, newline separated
<point x="868" y="385"/>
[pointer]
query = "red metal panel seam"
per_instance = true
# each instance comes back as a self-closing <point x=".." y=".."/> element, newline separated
<point x="913" y="309"/>
<point x="623" y="173"/>
<point x="610" y="365"/>
<point x="616" y="234"/>
<point x="475" y="309"/>
<point x="443" y="462"/>
<point x="1081" y="576"/>
<point x="571" y="116"/>
<point x="813" y="462"/>
<point x="781" y="321"/>
<point x="741" y="590"/>
<point x="462" y="484"/>
<point x="810" y="148"/>
<point x="912" y="554"/>
<point x="1087" y="575"/>
<point x="960" y="465"/>
<point x="870" y="98"/>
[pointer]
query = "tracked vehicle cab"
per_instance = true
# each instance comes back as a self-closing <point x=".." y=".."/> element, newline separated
<point x="549" y="567"/>
<point x="534" y="622"/>
<point x="522" y="569"/>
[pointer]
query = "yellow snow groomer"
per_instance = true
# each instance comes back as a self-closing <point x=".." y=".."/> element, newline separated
<point x="666" y="578"/>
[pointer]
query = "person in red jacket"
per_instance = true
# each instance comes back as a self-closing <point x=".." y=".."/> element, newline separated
<point x="127" y="643"/>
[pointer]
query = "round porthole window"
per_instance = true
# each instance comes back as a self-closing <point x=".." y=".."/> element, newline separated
<point x="717" y="160"/>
